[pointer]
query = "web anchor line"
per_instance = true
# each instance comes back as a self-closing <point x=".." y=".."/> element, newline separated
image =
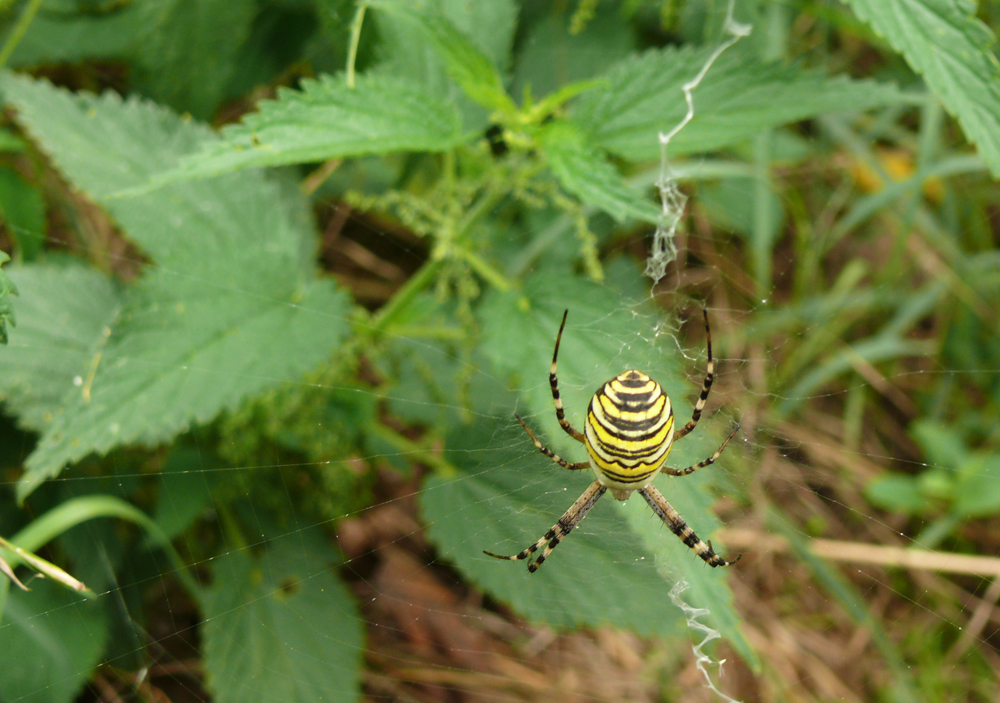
<point x="672" y="201"/>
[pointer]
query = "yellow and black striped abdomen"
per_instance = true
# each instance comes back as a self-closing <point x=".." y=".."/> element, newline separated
<point x="629" y="430"/>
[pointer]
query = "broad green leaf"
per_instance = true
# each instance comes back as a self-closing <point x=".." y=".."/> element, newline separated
<point x="66" y="313"/>
<point x="468" y="66"/>
<point x="945" y="42"/>
<point x="489" y="26"/>
<point x="185" y="491"/>
<point x="69" y="37"/>
<point x="602" y="339"/>
<point x="738" y="99"/>
<point x="504" y="496"/>
<point x="50" y="639"/>
<point x="7" y="291"/>
<point x="329" y="120"/>
<point x="549" y="57"/>
<point x="230" y="306"/>
<point x="977" y="492"/>
<point x="173" y="33"/>
<point x="942" y="445"/>
<point x="281" y="627"/>
<point x="899" y="493"/>
<point x="182" y="354"/>
<point x="23" y="213"/>
<point x="589" y="176"/>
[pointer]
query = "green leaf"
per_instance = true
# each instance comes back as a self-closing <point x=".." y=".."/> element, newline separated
<point x="50" y="639"/>
<point x="72" y="37"/>
<point x="738" y="99"/>
<point x="23" y="212"/>
<point x="406" y="54"/>
<point x="329" y="120"/>
<point x="549" y="57"/>
<point x="953" y="50"/>
<point x="899" y="493"/>
<point x="231" y="307"/>
<point x="175" y="31"/>
<point x="7" y="291"/>
<point x="281" y="628"/>
<point x="65" y="314"/>
<point x="941" y="445"/>
<point x="503" y="497"/>
<point x="977" y="492"/>
<point x="185" y="491"/>
<point x="489" y="25"/>
<point x="587" y="174"/>
<point x="468" y="66"/>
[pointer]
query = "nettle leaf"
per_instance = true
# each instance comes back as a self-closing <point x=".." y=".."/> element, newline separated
<point x="174" y="31"/>
<point x="489" y="26"/>
<point x="50" y="639"/>
<point x="66" y="315"/>
<point x="7" y="291"/>
<point x="281" y="628"/>
<point x="945" y="42"/>
<point x="229" y="308"/>
<point x="327" y="119"/>
<point x="504" y="497"/>
<point x="588" y="175"/>
<point x="738" y="98"/>
<point x="468" y="66"/>
<point x="505" y="481"/>
<point x="69" y="36"/>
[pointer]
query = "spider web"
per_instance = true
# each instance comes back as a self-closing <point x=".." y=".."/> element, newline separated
<point x="431" y="632"/>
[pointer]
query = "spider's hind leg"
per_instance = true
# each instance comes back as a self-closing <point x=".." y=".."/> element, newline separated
<point x="679" y="527"/>
<point x="570" y="519"/>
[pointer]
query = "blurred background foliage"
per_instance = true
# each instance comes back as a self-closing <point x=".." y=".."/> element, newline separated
<point x="281" y="272"/>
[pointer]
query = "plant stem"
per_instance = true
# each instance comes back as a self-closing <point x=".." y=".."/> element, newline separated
<point x="419" y="452"/>
<point x="20" y="29"/>
<point x="355" y="39"/>
<point x="405" y="295"/>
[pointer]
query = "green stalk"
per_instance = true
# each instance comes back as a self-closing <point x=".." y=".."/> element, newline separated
<point x="355" y="39"/>
<point x="418" y="451"/>
<point x="404" y="296"/>
<point x="20" y="29"/>
<point x="485" y="270"/>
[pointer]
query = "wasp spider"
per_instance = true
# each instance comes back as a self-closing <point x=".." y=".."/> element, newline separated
<point x="628" y="435"/>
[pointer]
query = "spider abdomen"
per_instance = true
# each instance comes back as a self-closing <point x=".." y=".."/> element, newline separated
<point x="629" y="430"/>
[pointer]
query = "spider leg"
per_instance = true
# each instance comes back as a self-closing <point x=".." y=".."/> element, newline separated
<point x="710" y="460"/>
<point x="570" y="519"/>
<point x="551" y="454"/>
<point x="680" y="528"/>
<point x="554" y="383"/>
<point x="709" y="378"/>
